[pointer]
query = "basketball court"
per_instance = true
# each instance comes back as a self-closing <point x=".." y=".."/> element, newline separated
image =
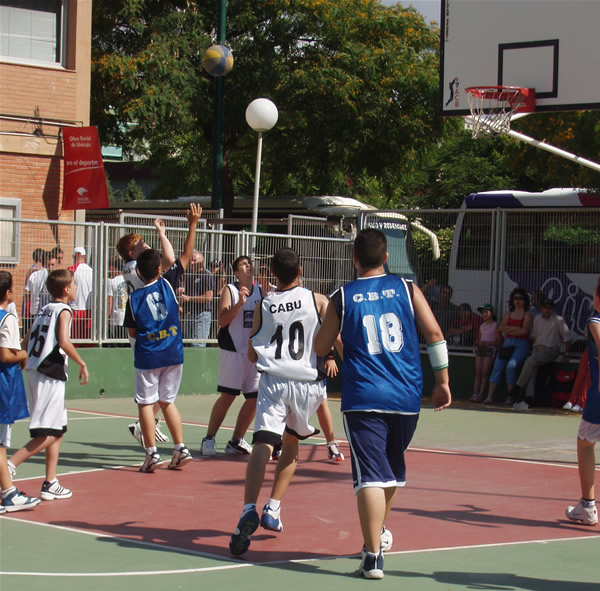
<point x="483" y="508"/>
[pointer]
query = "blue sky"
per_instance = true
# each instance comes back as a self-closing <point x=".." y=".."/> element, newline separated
<point x="430" y="9"/>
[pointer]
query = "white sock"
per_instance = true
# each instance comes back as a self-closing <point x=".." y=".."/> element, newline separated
<point x="6" y="492"/>
<point x="151" y="450"/>
<point x="179" y="446"/>
<point x="274" y="504"/>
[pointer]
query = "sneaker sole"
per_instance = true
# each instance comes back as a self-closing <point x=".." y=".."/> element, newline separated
<point x="234" y="452"/>
<point x="372" y="574"/>
<point x="151" y="468"/>
<point x="181" y="464"/>
<point x="45" y="496"/>
<point x="13" y="508"/>
<point x="240" y="543"/>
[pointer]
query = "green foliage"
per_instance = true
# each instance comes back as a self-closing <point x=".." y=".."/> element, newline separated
<point x="355" y="84"/>
<point x="572" y="236"/>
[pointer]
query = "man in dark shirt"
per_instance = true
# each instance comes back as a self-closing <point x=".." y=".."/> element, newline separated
<point x="196" y="299"/>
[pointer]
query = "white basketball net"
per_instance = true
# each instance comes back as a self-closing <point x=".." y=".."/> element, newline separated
<point x="492" y="108"/>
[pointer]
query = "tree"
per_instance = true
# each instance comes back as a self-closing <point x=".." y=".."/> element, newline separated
<point x="355" y="84"/>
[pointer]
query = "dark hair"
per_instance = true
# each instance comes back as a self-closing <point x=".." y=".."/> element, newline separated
<point x="598" y="288"/>
<point x="465" y="306"/>
<point x="148" y="264"/>
<point x="513" y="293"/>
<point x="285" y="265"/>
<point x="6" y="282"/>
<point x="55" y="252"/>
<point x="38" y="255"/>
<point x="370" y="248"/>
<point x="57" y="281"/>
<point x="237" y="261"/>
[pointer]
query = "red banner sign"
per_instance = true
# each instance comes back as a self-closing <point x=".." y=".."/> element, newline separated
<point x="84" y="181"/>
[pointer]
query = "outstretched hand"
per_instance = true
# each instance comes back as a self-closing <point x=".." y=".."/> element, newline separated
<point x="441" y="397"/>
<point x="194" y="213"/>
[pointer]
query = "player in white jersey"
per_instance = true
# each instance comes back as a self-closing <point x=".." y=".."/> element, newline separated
<point x="48" y="345"/>
<point x="290" y="390"/>
<point x="129" y="247"/>
<point x="237" y="375"/>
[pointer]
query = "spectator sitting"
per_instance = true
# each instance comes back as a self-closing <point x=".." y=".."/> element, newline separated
<point x="515" y="326"/>
<point x="464" y="329"/>
<point x="444" y="310"/>
<point x="550" y="333"/>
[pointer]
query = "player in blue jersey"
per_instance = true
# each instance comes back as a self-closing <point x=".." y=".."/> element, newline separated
<point x="152" y="318"/>
<point x="589" y="429"/>
<point x="377" y="317"/>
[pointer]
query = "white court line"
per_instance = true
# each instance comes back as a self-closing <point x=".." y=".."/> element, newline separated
<point x="497" y="458"/>
<point x="236" y="565"/>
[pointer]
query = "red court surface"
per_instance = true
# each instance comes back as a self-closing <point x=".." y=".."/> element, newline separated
<point x="451" y="500"/>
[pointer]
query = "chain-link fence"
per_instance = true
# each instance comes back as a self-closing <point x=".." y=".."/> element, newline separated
<point x="481" y="254"/>
<point x="326" y="264"/>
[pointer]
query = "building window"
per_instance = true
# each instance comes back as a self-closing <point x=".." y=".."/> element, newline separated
<point x="33" y="31"/>
<point x="10" y="209"/>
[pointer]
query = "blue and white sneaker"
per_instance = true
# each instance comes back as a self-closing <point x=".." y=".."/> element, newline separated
<point x="240" y="539"/>
<point x="371" y="566"/>
<point x="17" y="501"/>
<point x="270" y="519"/>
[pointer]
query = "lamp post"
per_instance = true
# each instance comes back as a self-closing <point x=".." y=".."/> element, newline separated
<point x="261" y="115"/>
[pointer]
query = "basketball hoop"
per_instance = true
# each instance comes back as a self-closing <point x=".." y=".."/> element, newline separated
<point x="493" y="106"/>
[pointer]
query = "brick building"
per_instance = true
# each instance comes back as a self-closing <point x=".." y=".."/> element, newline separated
<point x="45" y="58"/>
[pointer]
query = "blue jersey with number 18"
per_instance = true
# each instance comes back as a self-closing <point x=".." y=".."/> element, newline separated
<point x="382" y="363"/>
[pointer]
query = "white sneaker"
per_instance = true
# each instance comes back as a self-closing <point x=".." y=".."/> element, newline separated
<point x="335" y="455"/>
<point x="386" y="540"/>
<point x="158" y="434"/>
<point x="567" y="406"/>
<point x="208" y="447"/>
<point x="12" y="469"/>
<point x="577" y="408"/>
<point x="521" y="405"/>
<point x="180" y="458"/>
<point x="581" y="514"/>
<point x="238" y="447"/>
<point x="151" y="463"/>
<point x="53" y="490"/>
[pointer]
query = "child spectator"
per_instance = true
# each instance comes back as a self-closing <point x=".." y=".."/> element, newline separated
<point x="48" y="346"/>
<point x="13" y="401"/>
<point x="464" y="329"/>
<point x="152" y="319"/>
<point x="589" y="428"/>
<point x="486" y="343"/>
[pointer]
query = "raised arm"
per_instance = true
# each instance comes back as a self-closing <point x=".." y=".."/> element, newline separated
<point x="168" y="254"/>
<point x="193" y="215"/>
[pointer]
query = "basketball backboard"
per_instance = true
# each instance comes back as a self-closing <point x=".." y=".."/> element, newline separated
<point x="552" y="46"/>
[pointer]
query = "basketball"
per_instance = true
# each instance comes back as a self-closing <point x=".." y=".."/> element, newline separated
<point x="217" y="60"/>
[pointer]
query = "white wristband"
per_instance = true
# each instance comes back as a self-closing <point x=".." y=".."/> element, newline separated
<point x="438" y="355"/>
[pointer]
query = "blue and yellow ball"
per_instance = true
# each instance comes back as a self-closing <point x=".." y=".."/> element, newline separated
<point x="217" y="60"/>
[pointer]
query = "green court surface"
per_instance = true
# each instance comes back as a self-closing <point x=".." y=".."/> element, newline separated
<point x="444" y="536"/>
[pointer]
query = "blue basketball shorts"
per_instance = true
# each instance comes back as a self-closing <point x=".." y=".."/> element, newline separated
<point x="377" y="445"/>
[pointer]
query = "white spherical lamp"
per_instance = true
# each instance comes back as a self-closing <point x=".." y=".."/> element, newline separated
<point x="261" y="114"/>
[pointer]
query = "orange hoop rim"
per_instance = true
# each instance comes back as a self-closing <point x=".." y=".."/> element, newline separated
<point x="519" y="98"/>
